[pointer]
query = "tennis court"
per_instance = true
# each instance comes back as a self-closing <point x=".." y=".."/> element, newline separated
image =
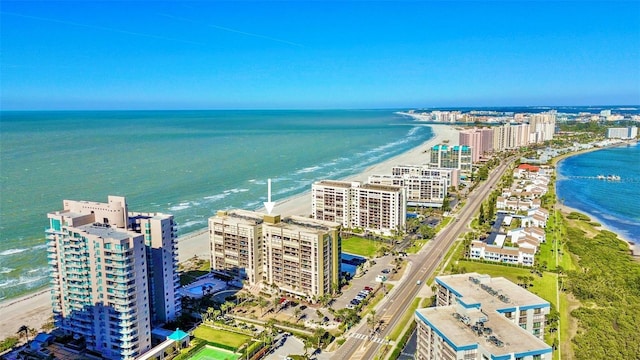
<point x="212" y="353"/>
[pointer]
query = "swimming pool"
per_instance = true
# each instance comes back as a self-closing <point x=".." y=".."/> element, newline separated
<point x="206" y="286"/>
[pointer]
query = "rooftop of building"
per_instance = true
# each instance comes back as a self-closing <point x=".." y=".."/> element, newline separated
<point x="460" y="328"/>
<point x="378" y="187"/>
<point x="137" y="215"/>
<point x="495" y="293"/>
<point x="106" y="232"/>
<point x="240" y="216"/>
<point x="336" y="183"/>
<point x="302" y="223"/>
<point x="454" y="147"/>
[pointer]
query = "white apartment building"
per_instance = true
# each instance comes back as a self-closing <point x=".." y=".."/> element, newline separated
<point x="376" y="208"/>
<point x="421" y="190"/>
<point x="479" y="317"/>
<point x="298" y="256"/>
<point x="113" y="274"/>
<point x="521" y="255"/>
<point x="452" y="176"/>
<point x="624" y="133"/>
<point x="542" y="126"/>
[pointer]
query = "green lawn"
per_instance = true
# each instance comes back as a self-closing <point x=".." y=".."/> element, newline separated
<point x="416" y="246"/>
<point x="361" y="246"/>
<point x="222" y="337"/>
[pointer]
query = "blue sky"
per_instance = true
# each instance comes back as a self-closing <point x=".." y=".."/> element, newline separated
<point x="290" y="55"/>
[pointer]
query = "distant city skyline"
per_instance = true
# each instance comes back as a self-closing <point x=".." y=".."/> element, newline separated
<point x="317" y="55"/>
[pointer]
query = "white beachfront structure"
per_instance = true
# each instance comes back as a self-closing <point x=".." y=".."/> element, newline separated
<point x="376" y="208"/>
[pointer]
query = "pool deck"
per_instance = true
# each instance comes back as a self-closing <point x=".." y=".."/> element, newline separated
<point x="219" y="285"/>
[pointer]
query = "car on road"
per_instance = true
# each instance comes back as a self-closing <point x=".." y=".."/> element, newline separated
<point x="386" y="271"/>
<point x="419" y="282"/>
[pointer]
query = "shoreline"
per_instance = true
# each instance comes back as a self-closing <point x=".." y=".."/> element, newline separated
<point x="634" y="246"/>
<point x="34" y="309"/>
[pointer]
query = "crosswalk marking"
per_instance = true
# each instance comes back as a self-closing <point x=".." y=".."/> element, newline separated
<point x="367" y="337"/>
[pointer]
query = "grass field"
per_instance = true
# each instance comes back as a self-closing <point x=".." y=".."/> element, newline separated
<point x="416" y="246"/>
<point x="222" y="337"/>
<point x="361" y="246"/>
<point x="211" y="353"/>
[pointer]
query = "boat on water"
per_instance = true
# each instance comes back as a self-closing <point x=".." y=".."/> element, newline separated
<point x="609" y="177"/>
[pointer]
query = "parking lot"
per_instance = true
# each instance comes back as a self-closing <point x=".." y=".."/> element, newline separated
<point x="367" y="279"/>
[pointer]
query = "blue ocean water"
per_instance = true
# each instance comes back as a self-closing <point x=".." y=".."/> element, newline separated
<point x="612" y="203"/>
<point x="186" y="163"/>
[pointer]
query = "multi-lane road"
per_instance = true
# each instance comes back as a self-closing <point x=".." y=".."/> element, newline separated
<point x="422" y="267"/>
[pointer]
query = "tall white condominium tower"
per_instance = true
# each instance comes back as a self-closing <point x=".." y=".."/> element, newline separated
<point x="542" y="126"/>
<point x="376" y="208"/>
<point x="113" y="274"/>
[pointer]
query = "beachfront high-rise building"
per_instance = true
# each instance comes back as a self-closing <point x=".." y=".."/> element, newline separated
<point x="479" y="317"/>
<point x="113" y="274"/>
<point x="237" y="244"/>
<point x="510" y="136"/>
<point x="421" y="190"/>
<point x="452" y="176"/>
<point x="376" y="208"/>
<point x="302" y="255"/>
<point x="453" y="157"/>
<point x="542" y="127"/>
<point x="479" y="140"/>
<point x="624" y="133"/>
<point x="299" y="256"/>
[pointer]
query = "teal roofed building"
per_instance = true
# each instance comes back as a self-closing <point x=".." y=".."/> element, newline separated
<point x="452" y="157"/>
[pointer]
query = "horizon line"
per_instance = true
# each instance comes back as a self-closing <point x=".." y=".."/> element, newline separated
<point x="329" y="108"/>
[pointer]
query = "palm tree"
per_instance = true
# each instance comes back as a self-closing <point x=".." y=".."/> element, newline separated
<point x="296" y="313"/>
<point x="318" y="334"/>
<point x="275" y="302"/>
<point x="372" y="321"/>
<point x="262" y="303"/>
<point x="24" y="329"/>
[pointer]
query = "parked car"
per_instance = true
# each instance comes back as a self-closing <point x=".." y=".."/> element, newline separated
<point x="368" y="288"/>
<point x="386" y="271"/>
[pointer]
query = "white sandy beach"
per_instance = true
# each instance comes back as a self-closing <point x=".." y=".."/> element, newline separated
<point x="34" y="310"/>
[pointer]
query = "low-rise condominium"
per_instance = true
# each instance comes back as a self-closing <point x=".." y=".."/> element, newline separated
<point x="479" y="317"/>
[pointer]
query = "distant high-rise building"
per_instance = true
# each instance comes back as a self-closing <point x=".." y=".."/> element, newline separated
<point x="624" y="133"/>
<point x="510" y="136"/>
<point x="453" y="157"/>
<point x="114" y="274"/>
<point x="376" y="208"/>
<point x="480" y="141"/>
<point x="542" y="127"/>
<point x="300" y="256"/>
